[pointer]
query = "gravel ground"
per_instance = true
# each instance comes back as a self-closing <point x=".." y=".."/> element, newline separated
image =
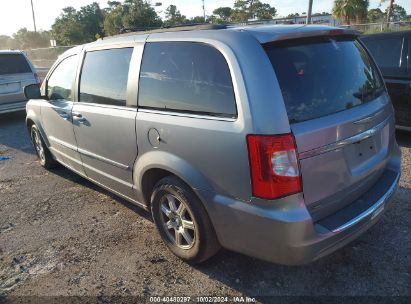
<point x="61" y="235"/>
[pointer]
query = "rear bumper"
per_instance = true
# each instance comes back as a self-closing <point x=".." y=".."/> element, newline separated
<point x="13" y="107"/>
<point x="284" y="232"/>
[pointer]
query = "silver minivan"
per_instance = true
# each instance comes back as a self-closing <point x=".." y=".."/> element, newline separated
<point x="16" y="72"/>
<point x="273" y="141"/>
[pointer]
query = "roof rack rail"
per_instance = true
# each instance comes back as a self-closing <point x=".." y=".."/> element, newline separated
<point x="175" y="28"/>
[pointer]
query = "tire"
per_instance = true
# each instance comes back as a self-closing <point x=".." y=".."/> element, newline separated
<point x="43" y="153"/>
<point x="186" y="220"/>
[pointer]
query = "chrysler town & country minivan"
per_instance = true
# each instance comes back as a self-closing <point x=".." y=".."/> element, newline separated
<point x="273" y="141"/>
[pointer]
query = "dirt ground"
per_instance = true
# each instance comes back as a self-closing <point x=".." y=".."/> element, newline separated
<point x="62" y="236"/>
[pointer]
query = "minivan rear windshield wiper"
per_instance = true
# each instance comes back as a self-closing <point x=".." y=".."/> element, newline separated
<point x="368" y="95"/>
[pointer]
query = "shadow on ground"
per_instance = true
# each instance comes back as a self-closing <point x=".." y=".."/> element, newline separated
<point x="14" y="133"/>
<point x="403" y="138"/>
<point x="67" y="174"/>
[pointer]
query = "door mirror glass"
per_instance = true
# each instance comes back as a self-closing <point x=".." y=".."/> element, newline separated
<point x="32" y="91"/>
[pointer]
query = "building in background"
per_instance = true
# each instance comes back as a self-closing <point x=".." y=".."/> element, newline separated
<point x="325" y="19"/>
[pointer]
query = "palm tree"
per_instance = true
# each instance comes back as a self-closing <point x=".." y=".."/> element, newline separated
<point x="390" y="6"/>
<point x="350" y="10"/>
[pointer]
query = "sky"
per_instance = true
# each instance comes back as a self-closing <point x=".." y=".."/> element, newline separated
<point x="16" y="14"/>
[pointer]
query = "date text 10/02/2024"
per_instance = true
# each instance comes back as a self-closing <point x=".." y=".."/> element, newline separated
<point x="202" y="299"/>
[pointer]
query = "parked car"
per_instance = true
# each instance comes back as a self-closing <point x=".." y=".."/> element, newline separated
<point x="392" y="52"/>
<point x="273" y="141"/>
<point x="16" y="72"/>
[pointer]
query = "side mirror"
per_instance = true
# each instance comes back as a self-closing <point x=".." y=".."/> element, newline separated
<point x="32" y="91"/>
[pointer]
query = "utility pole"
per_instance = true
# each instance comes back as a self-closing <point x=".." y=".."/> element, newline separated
<point x="310" y="8"/>
<point x="34" y="19"/>
<point x="389" y="12"/>
<point x="204" y="15"/>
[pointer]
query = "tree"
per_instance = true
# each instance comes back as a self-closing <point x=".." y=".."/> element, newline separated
<point x="250" y="9"/>
<point x="132" y="14"/>
<point x="375" y="15"/>
<point x="398" y="13"/>
<point x="91" y="18"/>
<point x="197" y="19"/>
<point x="140" y="14"/>
<point x="223" y="14"/>
<point x="263" y="11"/>
<point x="77" y="27"/>
<point x="350" y="11"/>
<point x="113" y="22"/>
<point x="4" y="42"/>
<point x="321" y="14"/>
<point x="7" y="42"/>
<point x="174" y="17"/>
<point x="24" y="39"/>
<point x="389" y="9"/>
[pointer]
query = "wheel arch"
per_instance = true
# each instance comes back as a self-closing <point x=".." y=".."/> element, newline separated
<point x="155" y="165"/>
<point x="32" y="119"/>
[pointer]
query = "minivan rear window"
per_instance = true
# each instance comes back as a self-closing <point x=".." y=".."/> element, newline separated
<point x="13" y="64"/>
<point x="322" y="76"/>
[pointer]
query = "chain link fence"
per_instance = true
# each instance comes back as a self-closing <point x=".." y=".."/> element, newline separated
<point x="373" y="28"/>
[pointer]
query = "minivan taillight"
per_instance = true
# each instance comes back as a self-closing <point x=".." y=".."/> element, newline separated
<point x="274" y="165"/>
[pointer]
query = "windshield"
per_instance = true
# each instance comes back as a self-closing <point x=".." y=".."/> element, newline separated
<point x="322" y="76"/>
<point x="13" y="64"/>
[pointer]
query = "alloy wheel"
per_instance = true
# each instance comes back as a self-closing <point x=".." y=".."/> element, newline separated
<point x="38" y="145"/>
<point x="178" y="221"/>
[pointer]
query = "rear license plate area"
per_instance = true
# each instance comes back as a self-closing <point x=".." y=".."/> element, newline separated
<point x="362" y="151"/>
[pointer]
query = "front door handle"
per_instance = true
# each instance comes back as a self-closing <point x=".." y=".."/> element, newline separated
<point x="64" y="115"/>
<point x="79" y="117"/>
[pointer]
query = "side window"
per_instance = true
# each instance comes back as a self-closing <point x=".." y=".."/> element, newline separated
<point x="386" y="51"/>
<point x="186" y="77"/>
<point x="104" y="76"/>
<point x="60" y="82"/>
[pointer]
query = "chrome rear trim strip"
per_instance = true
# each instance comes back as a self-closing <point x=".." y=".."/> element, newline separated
<point x="180" y="114"/>
<point x="340" y="144"/>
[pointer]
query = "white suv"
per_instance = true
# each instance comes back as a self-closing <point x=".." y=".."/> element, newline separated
<point x="16" y="72"/>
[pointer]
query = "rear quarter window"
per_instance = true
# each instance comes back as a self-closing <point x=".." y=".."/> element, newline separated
<point x="322" y="76"/>
<point x="186" y="77"/>
<point x="13" y="64"/>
